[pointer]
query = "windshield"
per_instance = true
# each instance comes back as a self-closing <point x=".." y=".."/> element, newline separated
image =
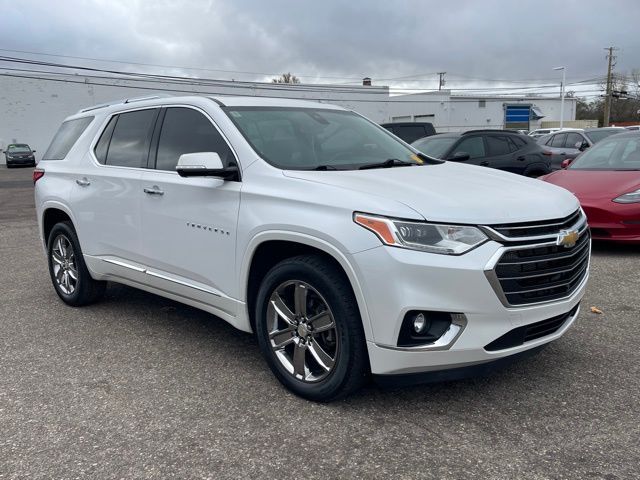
<point x="435" y="147"/>
<point x="316" y="138"/>
<point x="612" y="154"/>
<point x="18" y="149"/>
<point x="597" y="135"/>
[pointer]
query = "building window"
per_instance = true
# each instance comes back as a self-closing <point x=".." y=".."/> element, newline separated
<point x="482" y="103"/>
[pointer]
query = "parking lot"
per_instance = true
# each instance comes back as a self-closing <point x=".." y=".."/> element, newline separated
<point x="140" y="386"/>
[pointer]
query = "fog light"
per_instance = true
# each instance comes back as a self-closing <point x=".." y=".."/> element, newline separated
<point x="419" y="322"/>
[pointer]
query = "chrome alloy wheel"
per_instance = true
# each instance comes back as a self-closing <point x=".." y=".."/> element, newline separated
<point x="63" y="261"/>
<point x="302" y="331"/>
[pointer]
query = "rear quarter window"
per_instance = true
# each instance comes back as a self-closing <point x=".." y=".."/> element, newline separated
<point x="66" y="137"/>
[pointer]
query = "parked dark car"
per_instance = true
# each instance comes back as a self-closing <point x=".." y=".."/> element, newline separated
<point x="501" y="149"/>
<point x="410" y="131"/>
<point x="19" y="154"/>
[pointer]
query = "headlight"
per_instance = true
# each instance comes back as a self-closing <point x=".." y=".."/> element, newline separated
<point x="428" y="237"/>
<point x="631" y="197"/>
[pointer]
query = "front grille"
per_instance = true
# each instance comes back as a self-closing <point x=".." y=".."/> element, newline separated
<point x="527" y="333"/>
<point x="540" y="273"/>
<point x="533" y="229"/>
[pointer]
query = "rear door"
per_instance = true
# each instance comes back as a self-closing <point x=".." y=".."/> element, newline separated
<point x="500" y="154"/>
<point x="107" y="190"/>
<point x="189" y="224"/>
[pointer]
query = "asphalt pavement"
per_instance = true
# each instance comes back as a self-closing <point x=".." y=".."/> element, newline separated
<point x="138" y="386"/>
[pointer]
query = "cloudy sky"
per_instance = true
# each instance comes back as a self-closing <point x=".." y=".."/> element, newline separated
<point x="402" y="43"/>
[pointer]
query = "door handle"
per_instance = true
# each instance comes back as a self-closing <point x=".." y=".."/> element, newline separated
<point x="563" y="153"/>
<point x="521" y="158"/>
<point x="484" y="164"/>
<point x="83" y="182"/>
<point x="153" y="190"/>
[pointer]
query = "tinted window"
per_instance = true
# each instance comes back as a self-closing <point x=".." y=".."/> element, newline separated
<point x="129" y="145"/>
<point x="66" y="137"/>
<point x="572" y="139"/>
<point x="596" y="135"/>
<point x="410" y="133"/>
<point x="498" y="145"/>
<point x="558" y="140"/>
<point x="185" y="130"/>
<point x="518" y="142"/>
<point x="474" y="146"/>
<point x="102" y="147"/>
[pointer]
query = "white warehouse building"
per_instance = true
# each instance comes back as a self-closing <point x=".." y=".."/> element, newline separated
<point x="33" y="106"/>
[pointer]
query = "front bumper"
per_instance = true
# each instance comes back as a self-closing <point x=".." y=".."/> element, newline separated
<point x="395" y="281"/>
<point x="614" y="221"/>
<point x="21" y="161"/>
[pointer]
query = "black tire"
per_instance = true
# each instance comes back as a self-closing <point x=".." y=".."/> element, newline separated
<point x="86" y="290"/>
<point x="351" y="367"/>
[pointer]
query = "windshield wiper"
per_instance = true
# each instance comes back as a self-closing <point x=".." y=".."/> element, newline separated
<point x="325" y="167"/>
<point x="390" y="162"/>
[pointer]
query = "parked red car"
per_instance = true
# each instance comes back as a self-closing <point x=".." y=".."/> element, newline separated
<point x="606" y="180"/>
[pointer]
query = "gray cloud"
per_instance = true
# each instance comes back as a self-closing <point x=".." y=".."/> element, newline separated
<point x="383" y="39"/>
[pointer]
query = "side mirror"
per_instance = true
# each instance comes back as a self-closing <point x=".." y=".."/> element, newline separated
<point x="33" y="151"/>
<point x="459" y="157"/>
<point x="583" y="146"/>
<point x="566" y="162"/>
<point x="204" y="164"/>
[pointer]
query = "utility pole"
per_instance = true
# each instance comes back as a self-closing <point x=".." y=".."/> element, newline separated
<point x="607" y="97"/>
<point x="442" y="82"/>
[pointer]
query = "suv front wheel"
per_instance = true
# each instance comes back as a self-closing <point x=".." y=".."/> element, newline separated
<point x="71" y="279"/>
<point x="309" y="329"/>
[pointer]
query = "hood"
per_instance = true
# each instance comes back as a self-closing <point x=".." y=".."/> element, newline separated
<point x="454" y="193"/>
<point x="596" y="184"/>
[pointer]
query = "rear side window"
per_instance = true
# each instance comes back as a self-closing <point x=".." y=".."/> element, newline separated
<point x="518" y="142"/>
<point x="498" y="145"/>
<point x="129" y="146"/>
<point x="66" y="137"/>
<point x="185" y="130"/>
<point x="102" y="147"/>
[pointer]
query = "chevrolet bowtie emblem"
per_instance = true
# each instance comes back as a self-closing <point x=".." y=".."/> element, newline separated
<point x="567" y="238"/>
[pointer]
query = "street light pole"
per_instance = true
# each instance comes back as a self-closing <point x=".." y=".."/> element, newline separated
<point x="561" y="95"/>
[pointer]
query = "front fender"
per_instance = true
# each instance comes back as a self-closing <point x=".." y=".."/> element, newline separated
<point x="344" y="260"/>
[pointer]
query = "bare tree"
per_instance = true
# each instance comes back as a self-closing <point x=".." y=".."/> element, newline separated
<point x="286" y="78"/>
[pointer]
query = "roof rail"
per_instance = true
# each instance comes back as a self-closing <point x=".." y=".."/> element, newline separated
<point x="142" y="99"/>
<point x="95" y="107"/>
<point x="491" y="130"/>
<point x="124" y="100"/>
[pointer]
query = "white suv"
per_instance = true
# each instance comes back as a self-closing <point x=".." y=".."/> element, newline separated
<point x="345" y="250"/>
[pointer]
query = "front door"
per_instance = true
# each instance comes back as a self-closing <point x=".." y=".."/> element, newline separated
<point x="189" y="224"/>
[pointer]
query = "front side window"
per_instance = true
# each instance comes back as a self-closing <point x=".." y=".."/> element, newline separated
<point x="185" y="130"/>
<point x="129" y="146"/>
<point x="558" y="140"/>
<point x="474" y="146"/>
<point x="66" y="137"/>
<point x="435" y="146"/>
<point x="317" y="138"/>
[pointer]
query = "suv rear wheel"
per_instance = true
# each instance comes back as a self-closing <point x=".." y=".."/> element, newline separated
<point x="69" y="274"/>
<point x="309" y="329"/>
